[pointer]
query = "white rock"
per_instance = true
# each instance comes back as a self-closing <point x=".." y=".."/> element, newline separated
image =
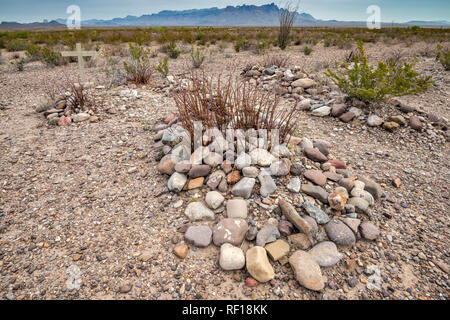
<point x="198" y="211"/>
<point x="231" y="257"/>
<point x="214" y="199"/>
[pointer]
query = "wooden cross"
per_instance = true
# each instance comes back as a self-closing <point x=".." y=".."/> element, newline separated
<point x="80" y="54"/>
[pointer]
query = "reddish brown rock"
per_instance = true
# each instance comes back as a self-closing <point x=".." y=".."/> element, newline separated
<point x="170" y="118"/>
<point x="64" y="121"/>
<point x="234" y="177"/>
<point x="181" y="250"/>
<point x="338" y="109"/>
<point x="347" y="184"/>
<point x="415" y="123"/>
<point x="338" y="164"/>
<point x="315" y="155"/>
<point x="316" y="176"/>
<point x="347" y="117"/>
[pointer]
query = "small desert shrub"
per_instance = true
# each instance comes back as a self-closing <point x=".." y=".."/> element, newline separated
<point x="370" y="84"/>
<point x="261" y="46"/>
<point x="50" y="57"/>
<point x="138" y="69"/>
<point x="241" y="44"/>
<point x="307" y="50"/>
<point x="443" y="56"/>
<point x="163" y="67"/>
<point x="224" y="103"/>
<point x="19" y="64"/>
<point x="172" y="50"/>
<point x="197" y="58"/>
<point x="281" y="61"/>
<point x="34" y="52"/>
<point x="16" y="45"/>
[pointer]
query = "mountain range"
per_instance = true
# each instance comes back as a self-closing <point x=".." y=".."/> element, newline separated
<point x="245" y="15"/>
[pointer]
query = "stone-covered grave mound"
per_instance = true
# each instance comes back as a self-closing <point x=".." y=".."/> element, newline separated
<point x="313" y="203"/>
<point x="296" y="84"/>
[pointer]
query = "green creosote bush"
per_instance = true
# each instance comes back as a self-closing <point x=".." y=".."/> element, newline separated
<point x="172" y="50"/>
<point x="50" y="57"/>
<point x="33" y="52"/>
<point x="163" y="67"/>
<point x="241" y="44"/>
<point x="197" y="58"/>
<point x="370" y="84"/>
<point x="138" y="69"/>
<point x="443" y="56"/>
<point x="307" y="51"/>
<point x="16" y="45"/>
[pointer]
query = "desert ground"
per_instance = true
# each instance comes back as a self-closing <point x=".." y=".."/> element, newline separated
<point x="86" y="214"/>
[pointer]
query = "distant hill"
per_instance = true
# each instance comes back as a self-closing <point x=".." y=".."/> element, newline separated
<point x="245" y="15"/>
<point x="16" y="25"/>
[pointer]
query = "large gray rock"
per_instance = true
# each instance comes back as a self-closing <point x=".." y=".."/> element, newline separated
<point x="199" y="236"/>
<point x="198" y="211"/>
<point x="369" y="231"/>
<point x="316" y="192"/>
<point x="325" y="254"/>
<point x="339" y="233"/>
<point x="230" y="231"/>
<point x="201" y="170"/>
<point x="360" y="204"/>
<point x="243" y="160"/>
<point x="266" y="235"/>
<point x="243" y="188"/>
<point x="268" y="185"/>
<point x="316" y="213"/>
<point x="294" y="185"/>
<point x="214" y="199"/>
<point x="280" y="168"/>
<point x="177" y="182"/>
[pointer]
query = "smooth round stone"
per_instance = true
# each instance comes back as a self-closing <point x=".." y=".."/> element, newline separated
<point x="306" y="270"/>
<point x="201" y="170"/>
<point x="306" y="143"/>
<point x="325" y="254"/>
<point x="359" y="193"/>
<point x="321" y="112"/>
<point x="315" y="155"/>
<point x="339" y="233"/>
<point x="167" y="164"/>
<point x="258" y="264"/>
<point x="369" y="231"/>
<point x="250" y="172"/>
<point x="360" y="204"/>
<point x="199" y="236"/>
<point x="214" y="199"/>
<point x="262" y="157"/>
<point x="231" y="257"/>
<point x="237" y="208"/>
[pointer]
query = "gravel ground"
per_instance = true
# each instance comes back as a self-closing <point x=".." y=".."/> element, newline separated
<point x="84" y="213"/>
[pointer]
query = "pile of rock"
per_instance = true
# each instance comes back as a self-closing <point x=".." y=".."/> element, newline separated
<point x="60" y="113"/>
<point x="330" y="204"/>
<point x="355" y="112"/>
<point x="289" y="83"/>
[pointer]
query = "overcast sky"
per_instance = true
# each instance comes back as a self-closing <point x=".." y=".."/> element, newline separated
<point x="345" y="10"/>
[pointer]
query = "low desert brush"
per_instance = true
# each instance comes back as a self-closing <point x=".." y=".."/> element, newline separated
<point x="370" y="84"/>
<point x="163" y="67"/>
<point x="139" y="68"/>
<point x="443" y="56"/>
<point x="224" y="103"/>
<point x="197" y="58"/>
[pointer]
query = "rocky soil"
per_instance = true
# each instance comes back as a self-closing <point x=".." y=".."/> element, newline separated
<point x="85" y="213"/>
